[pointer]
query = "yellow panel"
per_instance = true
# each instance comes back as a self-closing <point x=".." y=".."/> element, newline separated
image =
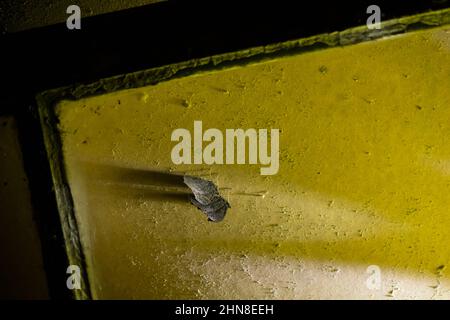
<point x="364" y="178"/>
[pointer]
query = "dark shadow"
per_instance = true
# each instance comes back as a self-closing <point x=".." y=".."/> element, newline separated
<point x="138" y="183"/>
<point x="142" y="193"/>
<point x="135" y="176"/>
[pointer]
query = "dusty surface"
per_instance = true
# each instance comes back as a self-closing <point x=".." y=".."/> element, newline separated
<point x="18" y="15"/>
<point x="364" y="179"/>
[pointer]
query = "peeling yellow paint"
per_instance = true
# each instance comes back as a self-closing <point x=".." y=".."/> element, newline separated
<point x="363" y="179"/>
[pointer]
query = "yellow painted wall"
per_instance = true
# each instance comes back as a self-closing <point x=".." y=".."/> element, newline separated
<point x="364" y="178"/>
<point x="21" y="267"/>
